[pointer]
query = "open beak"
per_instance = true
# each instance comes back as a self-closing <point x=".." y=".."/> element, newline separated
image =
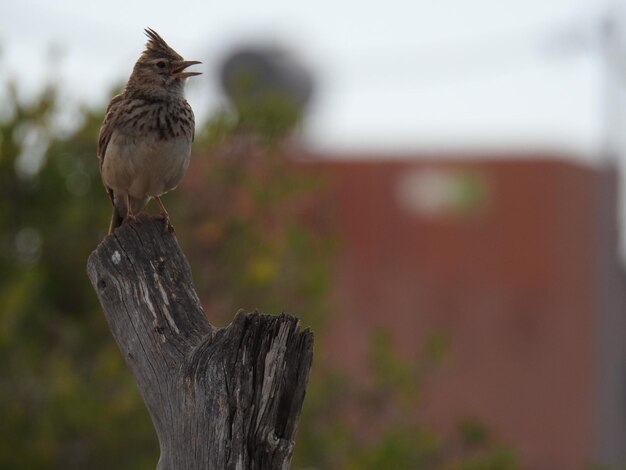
<point x="179" y="70"/>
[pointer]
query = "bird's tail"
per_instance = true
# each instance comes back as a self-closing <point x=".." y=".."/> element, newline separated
<point x="116" y="220"/>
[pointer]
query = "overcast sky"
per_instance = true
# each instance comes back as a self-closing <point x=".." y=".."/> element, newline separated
<point x="391" y="76"/>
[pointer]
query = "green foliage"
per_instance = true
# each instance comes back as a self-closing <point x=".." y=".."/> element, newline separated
<point x="250" y="233"/>
<point x="377" y="425"/>
<point x="261" y="106"/>
<point x="67" y="399"/>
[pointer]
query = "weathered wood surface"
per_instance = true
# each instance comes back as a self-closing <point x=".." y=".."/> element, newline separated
<point x="225" y="398"/>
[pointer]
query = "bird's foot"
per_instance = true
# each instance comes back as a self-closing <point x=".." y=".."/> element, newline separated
<point x="164" y="215"/>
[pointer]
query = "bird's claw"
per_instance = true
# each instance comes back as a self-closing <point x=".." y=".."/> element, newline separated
<point x="168" y="227"/>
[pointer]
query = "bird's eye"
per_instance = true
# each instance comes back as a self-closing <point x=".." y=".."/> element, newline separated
<point x="161" y="64"/>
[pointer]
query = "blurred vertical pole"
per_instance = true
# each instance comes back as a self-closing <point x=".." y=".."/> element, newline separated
<point x="613" y="130"/>
<point x="610" y="432"/>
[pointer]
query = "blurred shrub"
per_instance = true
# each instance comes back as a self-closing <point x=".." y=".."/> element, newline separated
<point x="66" y="398"/>
<point x="252" y="226"/>
<point x="376" y="425"/>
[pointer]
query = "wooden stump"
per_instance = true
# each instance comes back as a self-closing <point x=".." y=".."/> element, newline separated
<point x="225" y="398"/>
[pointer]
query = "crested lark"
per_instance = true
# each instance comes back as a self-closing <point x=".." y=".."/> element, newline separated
<point x="145" y="139"/>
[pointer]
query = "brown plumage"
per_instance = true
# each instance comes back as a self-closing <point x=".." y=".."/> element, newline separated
<point x="145" y="139"/>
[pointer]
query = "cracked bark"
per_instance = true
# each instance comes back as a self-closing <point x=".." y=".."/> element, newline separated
<point x="224" y="398"/>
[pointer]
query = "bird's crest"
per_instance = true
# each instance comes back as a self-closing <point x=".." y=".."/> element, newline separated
<point x="157" y="47"/>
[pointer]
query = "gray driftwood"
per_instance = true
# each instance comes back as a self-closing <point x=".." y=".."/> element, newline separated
<point x="224" y="398"/>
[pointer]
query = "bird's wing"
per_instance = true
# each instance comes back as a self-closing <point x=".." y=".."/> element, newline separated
<point x="107" y="128"/>
<point x="189" y="114"/>
<point x="105" y="133"/>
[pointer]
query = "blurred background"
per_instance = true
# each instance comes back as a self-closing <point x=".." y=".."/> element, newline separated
<point x="435" y="188"/>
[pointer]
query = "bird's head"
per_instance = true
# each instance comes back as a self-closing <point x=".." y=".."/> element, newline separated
<point x="160" y="72"/>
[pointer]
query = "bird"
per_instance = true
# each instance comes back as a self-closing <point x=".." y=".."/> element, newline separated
<point x="144" y="144"/>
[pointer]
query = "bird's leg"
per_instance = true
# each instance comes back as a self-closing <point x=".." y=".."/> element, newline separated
<point x="130" y="217"/>
<point x="164" y="215"/>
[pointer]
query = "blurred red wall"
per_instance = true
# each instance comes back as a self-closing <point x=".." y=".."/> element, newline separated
<point x="506" y="258"/>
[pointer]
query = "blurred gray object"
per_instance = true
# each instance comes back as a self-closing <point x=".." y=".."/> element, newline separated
<point x="256" y="73"/>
